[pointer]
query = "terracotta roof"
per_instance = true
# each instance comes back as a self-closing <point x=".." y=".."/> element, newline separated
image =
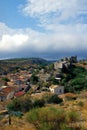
<point x="18" y="94"/>
<point x="8" y="89"/>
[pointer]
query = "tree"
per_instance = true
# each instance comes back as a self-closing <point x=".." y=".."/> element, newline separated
<point x="34" y="79"/>
<point x="5" y="79"/>
<point x="54" y="99"/>
<point x="39" y="103"/>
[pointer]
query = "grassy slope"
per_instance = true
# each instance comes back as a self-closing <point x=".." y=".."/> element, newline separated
<point x="79" y="105"/>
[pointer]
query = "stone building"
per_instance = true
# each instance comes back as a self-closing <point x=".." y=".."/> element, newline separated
<point x="65" y="63"/>
<point x="57" y="89"/>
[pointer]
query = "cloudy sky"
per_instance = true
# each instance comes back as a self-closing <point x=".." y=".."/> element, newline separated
<point x="43" y="28"/>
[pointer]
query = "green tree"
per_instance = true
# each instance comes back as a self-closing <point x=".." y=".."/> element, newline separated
<point x="39" y="103"/>
<point x="34" y="79"/>
<point x="5" y="79"/>
<point x="54" y="99"/>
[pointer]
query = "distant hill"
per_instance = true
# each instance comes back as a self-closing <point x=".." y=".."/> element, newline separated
<point x="8" y="65"/>
<point x="26" y="60"/>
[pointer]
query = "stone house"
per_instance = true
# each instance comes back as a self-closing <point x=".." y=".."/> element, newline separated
<point x="57" y="89"/>
<point x="58" y="65"/>
<point x="7" y="93"/>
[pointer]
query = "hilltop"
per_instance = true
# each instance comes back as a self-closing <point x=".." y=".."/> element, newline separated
<point x="24" y="61"/>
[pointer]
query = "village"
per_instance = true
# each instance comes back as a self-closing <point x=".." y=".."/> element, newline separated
<point x="13" y="85"/>
<point x="57" y="87"/>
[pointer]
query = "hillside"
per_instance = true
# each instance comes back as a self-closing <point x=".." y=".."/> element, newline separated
<point x="75" y="78"/>
<point x="38" y="108"/>
<point x="24" y="63"/>
<point x="75" y="109"/>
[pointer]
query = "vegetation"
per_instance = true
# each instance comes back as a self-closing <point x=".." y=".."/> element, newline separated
<point x="75" y="79"/>
<point x="80" y="103"/>
<point x="44" y="112"/>
<point x="25" y="104"/>
<point x="34" y="79"/>
<point x="5" y="79"/>
<point x="50" y="118"/>
<point x="38" y="103"/>
<point x="54" y="99"/>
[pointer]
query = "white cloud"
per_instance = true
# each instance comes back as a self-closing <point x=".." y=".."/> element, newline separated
<point x="12" y="42"/>
<point x="54" y="11"/>
<point x="22" y="41"/>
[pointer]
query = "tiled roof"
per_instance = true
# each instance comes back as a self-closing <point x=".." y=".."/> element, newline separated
<point x="8" y="89"/>
<point x="18" y="94"/>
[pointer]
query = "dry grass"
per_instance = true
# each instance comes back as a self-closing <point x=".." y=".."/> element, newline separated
<point x="17" y="124"/>
<point x="82" y="65"/>
<point x="21" y="124"/>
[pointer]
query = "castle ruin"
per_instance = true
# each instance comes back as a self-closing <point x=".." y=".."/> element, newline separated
<point x="66" y="62"/>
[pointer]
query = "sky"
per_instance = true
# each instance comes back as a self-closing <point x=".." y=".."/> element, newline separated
<point x="48" y="29"/>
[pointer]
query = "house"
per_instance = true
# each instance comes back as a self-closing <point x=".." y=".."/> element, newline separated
<point x="7" y="93"/>
<point x="57" y="89"/>
<point x="58" y="77"/>
<point x="44" y="77"/>
<point x="58" y="65"/>
<point x="19" y="94"/>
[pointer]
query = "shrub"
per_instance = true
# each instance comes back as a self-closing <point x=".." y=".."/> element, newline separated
<point x="46" y="118"/>
<point x="75" y="79"/>
<point x="14" y="105"/>
<point x="39" y="103"/>
<point x="17" y="113"/>
<point x="81" y="104"/>
<point x="54" y="99"/>
<point x="34" y="79"/>
<point x="72" y="116"/>
<point x="5" y="79"/>
<point x="51" y="118"/>
<point x="25" y="104"/>
<point x="21" y="104"/>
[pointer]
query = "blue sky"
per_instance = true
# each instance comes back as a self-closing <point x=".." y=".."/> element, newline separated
<point x="40" y="28"/>
<point x="11" y="15"/>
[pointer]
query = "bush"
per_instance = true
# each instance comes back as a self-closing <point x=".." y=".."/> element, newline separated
<point x="75" y="79"/>
<point x="72" y="116"/>
<point x="5" y="79"/>
<point x="34" y="79"/>
<point x="81" y="104"/>
<point x="25" y="104"/>
<point x="14" y="105"/>
<point x="39" y="103"/>
<point x="17" y="113"/>
<point x="21" y="104"/>
<point x="54" y="99"/>
<point x="51" y="118"/>
<point x="46" y="118"/>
